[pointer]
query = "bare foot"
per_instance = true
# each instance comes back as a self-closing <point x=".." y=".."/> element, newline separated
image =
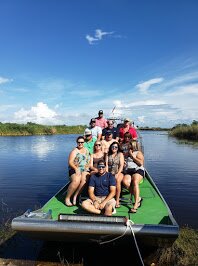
<point x="117" y="204"/>
<point x="68" y="203"/>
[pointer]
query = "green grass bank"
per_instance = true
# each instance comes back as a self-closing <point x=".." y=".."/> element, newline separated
<point x="13" y="129"/>
<point x="183" y="131"/>
<point x="183" y="252"/>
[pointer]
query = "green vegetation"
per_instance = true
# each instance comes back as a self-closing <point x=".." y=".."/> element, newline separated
<point x="184" y="131"/>
<point x="182" y="253"/>
<point x="13" y="129"/>
<point x="154" y="128"/>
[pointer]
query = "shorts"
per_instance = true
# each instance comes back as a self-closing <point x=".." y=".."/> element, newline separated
<point x="72" y="171"/>
<point x="134" y="171"/>
<point x="111" y="202"/>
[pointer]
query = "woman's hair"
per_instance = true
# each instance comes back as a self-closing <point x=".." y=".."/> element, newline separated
<point x="99" y="142"/>
<point x="127" y="134"/>
<point x="134" y="145"/>
<point x="110" y="147"/>
<point x="80" y="137"/>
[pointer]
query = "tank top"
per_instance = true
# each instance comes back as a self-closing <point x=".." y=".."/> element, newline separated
<point x="131" y="164"/>
<point x="82" y="161"/>
<point x="113" y="163"/>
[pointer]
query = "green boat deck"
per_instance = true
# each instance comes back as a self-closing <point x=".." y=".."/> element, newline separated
<point x="152" y="211"/>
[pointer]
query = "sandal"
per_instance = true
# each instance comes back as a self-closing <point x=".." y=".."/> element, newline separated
<point x="134" y="210"/>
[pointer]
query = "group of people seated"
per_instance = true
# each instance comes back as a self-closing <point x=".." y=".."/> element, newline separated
<point x="105" y="158"/>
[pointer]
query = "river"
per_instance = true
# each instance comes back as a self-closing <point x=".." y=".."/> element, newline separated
<point x="33" y="168"/>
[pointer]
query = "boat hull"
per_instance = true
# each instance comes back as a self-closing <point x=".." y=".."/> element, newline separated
<point x="153" y="224"/>
<point x="151" y="235"/>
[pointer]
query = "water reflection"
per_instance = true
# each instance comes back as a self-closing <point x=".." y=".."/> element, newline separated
<point x="42" y="146"/>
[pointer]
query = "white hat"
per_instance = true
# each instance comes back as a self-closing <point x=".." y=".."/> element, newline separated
<point x="87" y="132"/>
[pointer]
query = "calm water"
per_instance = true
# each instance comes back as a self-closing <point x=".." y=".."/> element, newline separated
<point x="34" y="168"/>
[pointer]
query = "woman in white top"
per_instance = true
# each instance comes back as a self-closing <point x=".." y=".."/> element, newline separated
<point x="134" y="174"/>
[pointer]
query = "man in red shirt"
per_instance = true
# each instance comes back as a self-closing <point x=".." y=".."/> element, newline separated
<point x="127" y="128"/>
<point x="100" y="120"/>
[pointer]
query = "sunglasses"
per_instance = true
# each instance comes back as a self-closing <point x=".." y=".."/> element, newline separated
<point x="93" y="121"/>
<point x="97" y="144"/>
<point x="114" y="147"/>
<point x="87" y="135"/>
<point x="79" y="142"/>
<point x="101" y="166"/>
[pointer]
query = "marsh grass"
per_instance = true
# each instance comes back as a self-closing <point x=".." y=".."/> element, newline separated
<point x="182" y="253"/>
<point x="189" y="132"/>
<point x="13" y="129"/>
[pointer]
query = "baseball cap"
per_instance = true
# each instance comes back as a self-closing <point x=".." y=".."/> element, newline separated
<point x="87" y="132"/>
<point x="108" y="132"/>
<point x="100" y="112"/>
<point x="127" y="119"/>
<point x="92" y="120"/>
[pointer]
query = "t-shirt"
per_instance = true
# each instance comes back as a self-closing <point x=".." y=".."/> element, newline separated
<point x="102" y="183"/>
<point x="90" y="145"/>
<point x="106" y="144"/>
<point x="113" y="131"/>
<point x="101" y="122"/>
<point x="95" y="131"/>
<point x="131" y="130"/>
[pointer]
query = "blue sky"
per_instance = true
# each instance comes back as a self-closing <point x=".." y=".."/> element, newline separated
<point x="62" y="61"/>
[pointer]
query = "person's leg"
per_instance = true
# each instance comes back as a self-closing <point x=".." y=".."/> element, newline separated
<point x="136" y="179"/>
<point x="89" y="206"/>
<point x="84" y="178"/>
<point x="127" y="181"/>
<point x="75" y="181"/>
<point x="119" y="179"/>
<point x="109" y="207"/>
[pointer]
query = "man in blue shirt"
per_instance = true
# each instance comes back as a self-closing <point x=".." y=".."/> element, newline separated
<point x="110" y="128"/>
<point x="101" y="190"/>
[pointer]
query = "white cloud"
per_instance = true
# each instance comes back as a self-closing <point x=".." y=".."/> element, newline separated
<point x="91" y="39"/>
<point x="98" y="36"/>
<point x="40" y="114"/>
<point x="188" y="89"/>
<point x="144" y="86"/>
<point x="5" y="80"/>
<point x="99" y="33"/>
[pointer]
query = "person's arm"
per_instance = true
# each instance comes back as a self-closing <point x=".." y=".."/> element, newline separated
<point x="121" y="163"/>
<point x="99" y="134"/>
<point x="106" y="162"/>
<point x="133" y="133"/>
<point x="105" y="123"/>
<point x="139" y="159"/>
<point x="93" y="169"/>
<point x="111" y="194"/>
<point x="71" y="158"/>
<point x="93" y="197"/>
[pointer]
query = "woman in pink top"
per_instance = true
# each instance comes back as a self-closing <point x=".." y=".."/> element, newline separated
<point x="100" y="120"/>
